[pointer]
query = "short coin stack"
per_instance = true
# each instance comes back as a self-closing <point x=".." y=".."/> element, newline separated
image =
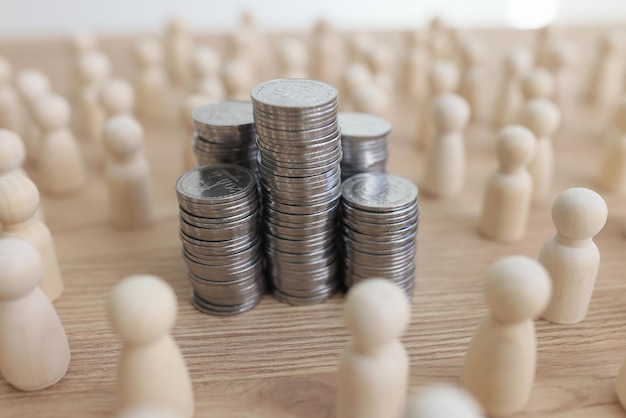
<point x="380" y="219"/>
<point x="219" y="222"/>
<point x="225" y="134"/>
<point x="299" y="156"/>
<point x="364" y="143"/>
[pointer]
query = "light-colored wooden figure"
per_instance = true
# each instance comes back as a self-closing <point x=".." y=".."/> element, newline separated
<point x="508" y="193"/>
<point x="546" y="38"/>
<point x="542" y="117"/>
<point x="570" y="255"/>
<point x="12" y="157"/>
<point x="151" y="370"/>
<point x="355" y="78"/>
<point x="327" y="57"/>
<point x="34" y="352"/>
<point x="11" y="116"/>
<point x="78" y="43"/>
<point x="539" y="83"/>
<point x="31" y="84"/>
<point x="444" y="174"/>
<point x="178" y="52"/>
<point x="127" y="174"/>
<point x="612" y="174"/>
<point x="293" y="59"/>
<point x="187" y="106"/>
<point x="238" y="79"/>
<point x="206" y="70"/>
<point x="60" y="164"/>
<point x="443" y="78"/>
<point x="372" y="99"/>
<point x="19" y="201"/>
<point x="381" y="61"/>
<point x="605" y="81"/>
<point x="248" y="44"/>
<point x="517" y="64"/>
<point x="500" y="363"/>
<point x="472" y="54"/>
<point x="147" y="412"/>
<point x="439" y="39"/>
<point x="94" y="68"/>
<point x="117" y="98"/>
<point x="150" y="80"/>
<point x="620" y="385"/>
<point x="443" y="401"/>
<point x="359" y="46"/>
<point x="374" y="366"/>
<point x="417" y="65"/>
<point x="561" y="57"/>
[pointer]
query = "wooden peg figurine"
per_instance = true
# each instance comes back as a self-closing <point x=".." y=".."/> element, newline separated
<point x="612" y="174"/>
<point x="539" y="83"/>
<point x="417" y="65"/>
<point x="356" y="77"/>
<point x="372" y="99"/>
<point x="93" y="70"/>
<point x="445" y="167"/>
<point x="500" y="362"/>
<point x="293" y="59"/>
<point x="150" y="80"/>
<point x="60" y="167"/>
<point x="189" y="104"/>
<point x="605" y="81"/>
<point x="117" y="98"/>
<point x="10" y="106"/>
<point x="472" y="54"/>
<point x="509" y="100"/>
<point x="374" y="366"/>
<point x="570" y="255"/>
<point x="206" y="67"/>
<point x="561" y="57"/>
<point x="238" y="79"/>
<point x="443" y="401"/>
<point x="31" y="84"/>
<point x="326" y="53"/>
<point x="381" y="61"/>
<point x="151" y="370"/>
<point x="178" y="51"/>
<point x="147" y="412"/>
<point x="19" y="201"/>
<point x="620" y="385"/>
<point x="542" y="117"/>
<point x="78" y="43"/>
<point x="508" y="193"/>
<point x="546" y="38"/>
<point x="442" y="79"/>
<point x="34" y="352"/>
<point x="127" y="174"/>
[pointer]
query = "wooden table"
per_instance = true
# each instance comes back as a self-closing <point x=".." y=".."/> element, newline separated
<point x="278" y="360"/>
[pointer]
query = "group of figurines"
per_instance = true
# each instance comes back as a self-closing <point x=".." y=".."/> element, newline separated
<point x="153" y="381"/>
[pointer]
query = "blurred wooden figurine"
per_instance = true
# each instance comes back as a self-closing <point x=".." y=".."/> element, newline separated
<point x="238" y="79"/>
<point x="372" y="99"/>
<point x="10" y="107"/>
<point x="500" y="362"/>
<point x="127" y="174"/>
<point x="293" y="59"/>
<point x="93" y="68"/>
<point x="620" y="384"/>
<point x="417" y="65"/>
<point x="381" y="62"/>
<point x="150" y="81"/>
<point x="445" y="167"/>
<point x="34" y="352"/>
<point x="178" y="52"/>
<point x="147" y="412"/>
<point x="570" y="255"/>
<point x="374" y="366"/>
<point x="151" y="370"/>
<point x="538" y="84"/>
<point x="189" y="104"/>
<point x="443" y="78"/>
<point x="78" y="44"/>
<point x="19" y="201"/>
<point x="509" y="100"/>
<point x="546" y="38"/>
<point x="472" y="53"/>
<point x="31" y="84"/>
<point x="61" y="168"/>
<point x="439" y="36"/>
<point x="605" y="82"/>
<point x="612" y="174"/>
<point x="206" y="68"/>
<point x="508" y="193"/>
<point x="542" y="117"/>
<point x="327" y="55"/>
<point x="561" y="57"/>
<point x="117" y="98"/>
<point x="443" y="401"/>
<point x="355" y="77"/>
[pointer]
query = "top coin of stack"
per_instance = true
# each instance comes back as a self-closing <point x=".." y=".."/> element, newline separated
<point x="225" y="134"/>
<point x="364" y="143"/>
<point x="299" y="156"/>
<point x="380" y="221"/>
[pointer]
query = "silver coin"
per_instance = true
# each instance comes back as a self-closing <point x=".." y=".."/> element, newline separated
<point x="216" y="183"/>
<point x="378" y="192"/>
<point x="363" y="125"/>
<point x="225" y="113"/>
<point x="293" y="94"/>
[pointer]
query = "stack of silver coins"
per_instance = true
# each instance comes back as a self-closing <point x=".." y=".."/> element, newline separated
<point x="225" y="134"/>
<point x="299" y="162"/>
<point x="380" y="219"/>
<point x="219" y="230"/>
<point x="364" y="143"/>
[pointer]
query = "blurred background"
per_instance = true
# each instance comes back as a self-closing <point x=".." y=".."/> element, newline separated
<point x="58" y="17"/>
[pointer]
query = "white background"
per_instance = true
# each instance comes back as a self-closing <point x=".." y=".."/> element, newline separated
<point x="58" y="17"/>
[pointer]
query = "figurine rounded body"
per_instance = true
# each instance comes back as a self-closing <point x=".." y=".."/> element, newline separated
<point x="613" y="169"/>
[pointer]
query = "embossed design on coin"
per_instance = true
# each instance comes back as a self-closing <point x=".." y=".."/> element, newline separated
<point x="362" y="125"/>
<point x="380" y="191"/>
<point x="294" y="93"/>
<point x="224" y="113"/>
<point x="215" y="182"/>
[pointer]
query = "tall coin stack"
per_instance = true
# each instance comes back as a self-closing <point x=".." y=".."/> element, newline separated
<point x="299" y="156"/>
<point x="380" y="219"/>
<point x="219" y="230"/>
<point x="225" y="134"/>
<point x="364" y="143"/>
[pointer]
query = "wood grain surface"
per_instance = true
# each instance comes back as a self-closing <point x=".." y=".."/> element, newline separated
<point x="279" y="361"/>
